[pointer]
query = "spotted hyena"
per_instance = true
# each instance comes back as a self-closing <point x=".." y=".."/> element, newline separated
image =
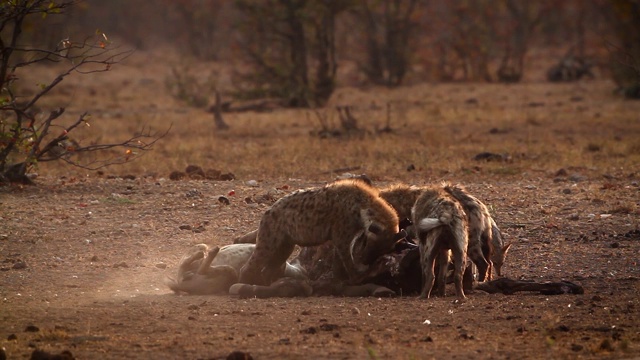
<point x="480" y="229"/>
<point x="401" y="197"/>
<point x="349" y="213"/>
<point x="441" y="226"/>
<point x="206" y="271"/>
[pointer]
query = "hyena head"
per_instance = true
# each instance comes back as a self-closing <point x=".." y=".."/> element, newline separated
<point x="375" y="239"/>
<point x="498" y="258"/>
<point x="500" y="249"/>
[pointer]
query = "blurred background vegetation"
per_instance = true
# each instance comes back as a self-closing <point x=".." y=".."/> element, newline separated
<point x="300" y="50"/>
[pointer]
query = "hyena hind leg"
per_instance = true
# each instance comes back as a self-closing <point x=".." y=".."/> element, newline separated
<point x="211" y="254"/>
<point x="442" y="263"/>
<point x="459" y="263"/>
<point x="428" y="254"/>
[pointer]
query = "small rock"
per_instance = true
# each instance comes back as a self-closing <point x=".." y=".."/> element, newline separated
<point x="4" y="236"/>
<point x="563" y="328"/>
<point x="577" y="178"/>
<point x="328" y="327"/>
<point x="12" y="337"/>
<point x="615" y="245"/>
<point x="193" y="307"/>
<point x="252" y="183"/>
<point x="574" y="217"/>
<point x="121" y="265"/>
<point x="239" y="355"/>
<point x="606" y="345"/>
<point x="161" y="265"/>
<point x="309" y="330"/>
<point x="426" y="339"/>
<point x="185" y="227"/>
<point x="411" y="167"/>
<point x="94" y="258"/>
<point x="224" y="200"/>
<point x="194" y="169"/>
<point x="227" y="177"/>
<point x="31" y="328"/>
<point x="43" y="355"/>
<point x="566" y="191"/>
<point x="593" y="147"/>
<point x="19" y="265"/>
<point x="193" y="193"/>
<point x="177" y="175"/>
<point x="199" y="229"/>
<point x="576" y="347"/>
<point x="355" y="311"/>
<point x="561" y="172"/>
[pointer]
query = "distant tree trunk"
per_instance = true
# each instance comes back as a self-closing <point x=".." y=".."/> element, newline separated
<point x="291" y="43"/>
<point x="326" y="58"/>
<point x="299" y="96"/>
<point x="388" y="53"/>
<point x="624" y="16"/>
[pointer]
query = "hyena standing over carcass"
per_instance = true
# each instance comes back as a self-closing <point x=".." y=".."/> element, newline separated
<point x="348" y="213"/>
<point x="441" y="225"/>
<point x="480" y="232"/>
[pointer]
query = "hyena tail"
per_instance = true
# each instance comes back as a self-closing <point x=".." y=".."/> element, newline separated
<point x="428" y="224"/>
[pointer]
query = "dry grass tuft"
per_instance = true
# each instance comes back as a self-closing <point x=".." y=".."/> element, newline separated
<point x="437" y="129"/>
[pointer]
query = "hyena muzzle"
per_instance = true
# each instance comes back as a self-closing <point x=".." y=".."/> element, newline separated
<point x="348" y="213"/>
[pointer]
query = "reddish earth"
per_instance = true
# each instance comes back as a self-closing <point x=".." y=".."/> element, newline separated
<point x="84" y="261"/>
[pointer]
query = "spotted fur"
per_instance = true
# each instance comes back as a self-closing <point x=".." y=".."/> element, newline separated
<point x="349" y="213"/>
<point x="441" y="226"/>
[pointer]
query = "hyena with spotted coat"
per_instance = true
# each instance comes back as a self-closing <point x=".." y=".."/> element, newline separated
<point x="441" y="226"/>
<point x="481" y="243"/>
<point x="349" y="213"/>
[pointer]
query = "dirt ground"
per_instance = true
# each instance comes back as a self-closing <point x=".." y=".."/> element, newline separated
<point x="84" y="256"/>
<point x="84" y="262"/>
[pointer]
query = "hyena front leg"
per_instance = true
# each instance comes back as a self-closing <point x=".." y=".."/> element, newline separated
<point x="459" y="263"/>
<point x="266" y="264"/>
<point x="477" y="256"/>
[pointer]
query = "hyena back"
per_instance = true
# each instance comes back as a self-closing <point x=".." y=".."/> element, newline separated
<point x="480" y="229"/>
<point x="441" y="225"/>
<point x="402" y="198"/>
<point x="348" y="213"/>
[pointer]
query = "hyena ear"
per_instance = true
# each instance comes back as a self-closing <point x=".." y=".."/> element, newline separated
<point x="506" y="248"/>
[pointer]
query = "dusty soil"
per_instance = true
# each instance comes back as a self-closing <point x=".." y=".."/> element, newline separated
<point x="84" y="257"/>
<point x="84" y="262"/>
